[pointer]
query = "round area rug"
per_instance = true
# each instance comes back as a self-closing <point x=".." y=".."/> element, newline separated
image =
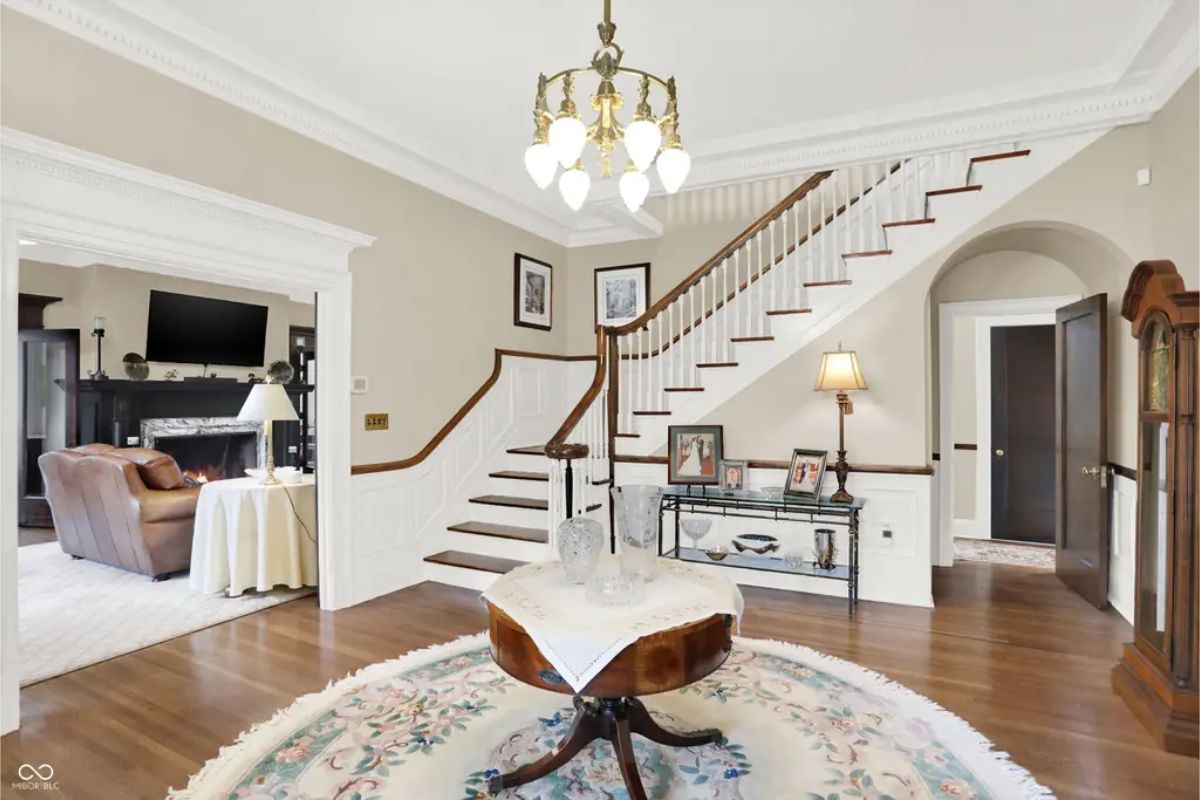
<point x="436" y="724"/>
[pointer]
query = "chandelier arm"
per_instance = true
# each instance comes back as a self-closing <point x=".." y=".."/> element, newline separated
<point x="558" y="76"/>
<point x="644" y="74"/>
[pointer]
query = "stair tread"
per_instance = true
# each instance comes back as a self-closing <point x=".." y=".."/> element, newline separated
<point x="862" y="254"/>
<point x="511" y="502"/>
<point x="531" y="450"/>
<point x="998" y="156"/>
<point x="653" y="413"/>
<point x="602" y="482"/>
<point x="475" y="561"/>
<point x="684" y="389"/>
<point x="778" y="312"/>
<point x="627" y="435"/>
<point x="971" y="187"/>
<point x="826" y="283"/>
<point x="592" y="507"/>
<point x="740" y="339"/>
<point x="501" y="531"/>
<point x="717" y="364"/>
<point x="520" y="475"/>
<point x="904" y="222"/>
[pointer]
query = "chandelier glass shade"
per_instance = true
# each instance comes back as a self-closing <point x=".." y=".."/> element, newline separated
<point x="559" y="138"/>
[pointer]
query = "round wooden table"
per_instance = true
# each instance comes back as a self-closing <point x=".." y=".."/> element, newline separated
<point x="659" y="662"/>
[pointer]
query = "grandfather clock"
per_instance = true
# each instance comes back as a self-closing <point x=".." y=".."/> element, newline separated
<point x="1157" y="672"/>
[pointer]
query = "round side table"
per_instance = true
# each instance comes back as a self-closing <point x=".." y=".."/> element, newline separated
<point x="659" y="662"/>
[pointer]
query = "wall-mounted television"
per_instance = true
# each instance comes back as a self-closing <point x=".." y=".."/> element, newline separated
<point x="186" y="329"/>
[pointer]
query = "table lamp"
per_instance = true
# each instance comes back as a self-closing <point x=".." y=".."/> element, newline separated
<point x="840" y="373"/>
<point x="268" y="403"/>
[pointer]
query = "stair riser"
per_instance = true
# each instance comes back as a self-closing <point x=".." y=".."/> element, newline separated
<point x="515" y="488"/>
<point x="493" y="546"/>
<point x="457" y="576"/>
<point x="522" y="462"/>
<point x="527" y="518"/>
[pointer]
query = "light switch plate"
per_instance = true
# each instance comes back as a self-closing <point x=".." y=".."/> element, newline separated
<point x="1143" y="176"/>
<point x="359" y="384"/>
<point x="376" y="422"/>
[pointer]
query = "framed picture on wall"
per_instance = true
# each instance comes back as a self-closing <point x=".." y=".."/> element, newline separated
<point x="533" y="293"/>
<point x="805" y="474"/>
<point x="694" y="454"/>
<point x="622" y="293"/>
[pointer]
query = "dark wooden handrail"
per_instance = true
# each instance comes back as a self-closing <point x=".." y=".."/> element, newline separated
<point x="431" y="445"/>
<point x="708" y="266"/>
<point x="558" y="447"/>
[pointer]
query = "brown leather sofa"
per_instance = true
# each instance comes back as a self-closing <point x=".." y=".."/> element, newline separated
<point x="127" y="507"/>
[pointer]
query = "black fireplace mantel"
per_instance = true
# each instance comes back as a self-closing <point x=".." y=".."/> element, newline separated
<point x="111" y="411"/>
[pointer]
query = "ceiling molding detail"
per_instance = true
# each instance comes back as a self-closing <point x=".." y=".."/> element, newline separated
<point x="1161" y="55"/>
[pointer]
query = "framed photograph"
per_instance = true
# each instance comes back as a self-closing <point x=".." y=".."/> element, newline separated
<point x="622" y="293"/>
<point x="805" y="474"/>
<point x="733" y="475"/>
<point x="533" y="293"/>
<point x="694" y="454"/>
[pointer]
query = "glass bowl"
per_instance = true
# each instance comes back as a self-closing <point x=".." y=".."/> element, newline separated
<point x="616" y="589"/>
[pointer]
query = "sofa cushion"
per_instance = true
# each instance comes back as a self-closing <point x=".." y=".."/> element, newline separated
<point x="156" y="469"/>
<point x="93" y="448"/>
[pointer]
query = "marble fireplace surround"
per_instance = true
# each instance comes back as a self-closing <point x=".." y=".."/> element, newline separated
<point x="175" y="427"/>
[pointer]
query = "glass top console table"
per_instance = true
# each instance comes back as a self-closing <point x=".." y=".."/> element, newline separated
<point x="754" y="504"/>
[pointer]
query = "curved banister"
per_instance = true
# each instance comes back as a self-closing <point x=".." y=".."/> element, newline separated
<point x="472" y="401"/>
<point x="708" y="266"/>
<point x="558" y="446"/>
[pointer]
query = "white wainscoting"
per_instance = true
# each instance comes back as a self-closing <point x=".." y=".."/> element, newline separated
<point x="1122" y="521"/>
<point x="895" y="570"/>
<point x="401" y="516"/>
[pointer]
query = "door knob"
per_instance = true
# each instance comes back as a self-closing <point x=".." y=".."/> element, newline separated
<point x="1091" y="472"/>
<point x="999" y="453"/>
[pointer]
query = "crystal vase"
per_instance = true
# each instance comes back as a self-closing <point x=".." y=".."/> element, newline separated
<point x="636" y="509"/>
<point x="580" y="543"/>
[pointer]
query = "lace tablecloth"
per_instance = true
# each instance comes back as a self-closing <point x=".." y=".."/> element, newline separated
<point x="580" y="638"/>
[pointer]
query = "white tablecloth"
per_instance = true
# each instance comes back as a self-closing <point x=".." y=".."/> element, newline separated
<point x="252" y="536"/>
<point x="579" y="638"/>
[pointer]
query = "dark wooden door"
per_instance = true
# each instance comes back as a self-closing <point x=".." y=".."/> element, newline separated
<point x="1023" y="433"/>
<point x="1081" y="475"/>
<point x="48" y="419"/>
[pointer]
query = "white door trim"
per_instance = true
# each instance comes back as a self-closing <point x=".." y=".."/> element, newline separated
<point x="988" y="313"/>
<point x="64" y="196"/>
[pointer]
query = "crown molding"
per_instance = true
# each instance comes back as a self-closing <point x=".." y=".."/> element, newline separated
<point x="1161" y="54"/>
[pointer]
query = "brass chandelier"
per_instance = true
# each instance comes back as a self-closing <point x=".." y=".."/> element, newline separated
<point x="559" y="139"/>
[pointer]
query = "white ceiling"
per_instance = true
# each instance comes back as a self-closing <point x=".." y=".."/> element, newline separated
<point x="441" y="91"/>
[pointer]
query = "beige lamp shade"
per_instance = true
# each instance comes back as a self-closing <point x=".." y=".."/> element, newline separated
<point x="268" y="402"/>
<point x="840" y="372"/>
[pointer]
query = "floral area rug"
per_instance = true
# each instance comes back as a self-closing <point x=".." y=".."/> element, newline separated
<point x="1011" y="553"/>
<point x="437" y="723"/>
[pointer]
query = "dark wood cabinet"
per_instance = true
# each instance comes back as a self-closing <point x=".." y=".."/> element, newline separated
<point x="1157" y="674"/>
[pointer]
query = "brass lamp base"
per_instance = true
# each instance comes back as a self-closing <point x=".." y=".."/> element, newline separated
<point x="269" y="479"/>
<point x="841" y="468"/>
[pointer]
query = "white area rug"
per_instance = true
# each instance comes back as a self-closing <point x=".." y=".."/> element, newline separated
<point x="75" y="613"/>
<point x="438" y="723"/>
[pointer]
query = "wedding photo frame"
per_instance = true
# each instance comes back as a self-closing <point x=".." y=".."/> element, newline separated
<point x="805" y="474"/>
<point x="622" y="293"/>
<point x="533" y="293"/>
<point x="694" y="454"/>
<point x="733" y="475"/>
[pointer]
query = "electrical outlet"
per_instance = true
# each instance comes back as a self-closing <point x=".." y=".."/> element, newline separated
<point x="376" y="422"/>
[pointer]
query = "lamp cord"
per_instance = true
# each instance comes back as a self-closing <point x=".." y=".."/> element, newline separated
<point x="296" y="514"/>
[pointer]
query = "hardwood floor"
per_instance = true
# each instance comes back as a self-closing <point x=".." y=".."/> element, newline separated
<point x="1010" y="649"/>
<point x="27" y="536"/>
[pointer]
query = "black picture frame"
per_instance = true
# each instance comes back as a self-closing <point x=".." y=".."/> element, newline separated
<point x="523" y="264"/>
<point x="597" y="294"/>
<point x="795" y="487"/>
<point x="677" y="459"/>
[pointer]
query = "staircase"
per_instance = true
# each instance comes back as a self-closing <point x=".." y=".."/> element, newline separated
<point x="838" y="240"/>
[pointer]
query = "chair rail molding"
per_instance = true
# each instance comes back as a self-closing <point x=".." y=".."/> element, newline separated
<point x="67" y="197"/>
<point x="1130" y="89"/>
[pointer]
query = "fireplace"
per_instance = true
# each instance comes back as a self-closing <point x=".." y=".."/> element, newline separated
<point x="207" y="448"/>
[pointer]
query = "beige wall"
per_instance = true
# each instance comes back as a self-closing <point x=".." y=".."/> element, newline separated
<point x="122" y="297"/>
<point x="432" y="297"/>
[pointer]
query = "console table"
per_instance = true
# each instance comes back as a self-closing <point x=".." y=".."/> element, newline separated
<point x="752" y="504"/>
